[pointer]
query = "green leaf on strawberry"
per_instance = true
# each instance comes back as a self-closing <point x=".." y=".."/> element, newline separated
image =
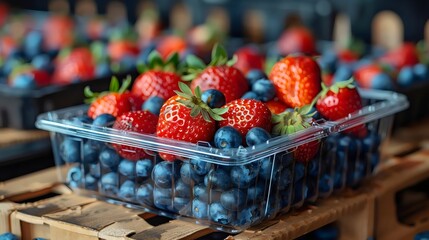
<point x="172" y="64"/>
<point x="114" y="87"/>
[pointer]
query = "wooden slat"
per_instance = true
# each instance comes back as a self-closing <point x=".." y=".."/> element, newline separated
<point x="14" y="136"/>
<point x="125" y="227"/>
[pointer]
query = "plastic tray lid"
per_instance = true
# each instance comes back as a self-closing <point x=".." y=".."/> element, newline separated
<point x="386" y="103"/>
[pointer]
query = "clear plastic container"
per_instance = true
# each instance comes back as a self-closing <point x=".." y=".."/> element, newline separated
<point x="228" y="190"/>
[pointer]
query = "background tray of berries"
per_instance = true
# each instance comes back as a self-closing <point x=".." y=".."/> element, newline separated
<point x="229" y="181"/>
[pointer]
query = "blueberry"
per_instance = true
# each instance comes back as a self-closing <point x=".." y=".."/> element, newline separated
<point x="341" y="161"/>
<point x="325" y="184"/>
<point x="349" y="145"/>
<point x="91" y="149"/>
<point x="422" y="236"/>
<point x="255" y="193"/>
<point x="265" y="89"/>
<point x="182" y="189"/>
<point x="213" y="98"/>
<point x="344" y="72"/>
<point x="74" y="176"/>
<point x="42" y="62"/>
<point x="254" y="75"/>
<point x="201" y="192"/>
<point x="165" y="173"/>
<point x="313" y="168"/>
<point x="227" y="137"/>
<point x="251" y="95"/>
<point x="32" y="44"/>
<point x="299" y="171"/>
<point x="233" y="199"/>
<point x="285" y="159"/>
<point x="285" y="178"/>
<point x="244" y="175"/>
<point x="217" y="179"/>
<point x="95" y="170"/>
<point x="109" y="158"/>
<point x="248" y="216"/>
<point x="266" y="171"/>
<point x="126" y="191"/>
<point x="104" y="120"/>
<point x="80" y="120"/>
<point x="219" y="214"/>
<point x="382" y="81"/>
<point x="162" y="198"/>
<point x="328" y="61"/>
<point x="144" y="168"/>
<point x="199" y="209"/>
<point x="153" y="104"/>
<point x="180" y="203"/>
<point x="110" y="183"/>
<point x="127" y="168"/>
<point x="90" y="182"/>
<point x="70" y="150"/>
<point x="188" y="174"/>
<point x="143" y="57"/>
<point x="338" y="179"/>
<point x="300" y="192"/>
<point x="359" y="172"/>
<point x="8" y="236"/>
<point x="144" y="194"/>
<point x="257" y="136"/>
<point x="371" y="143"/>
<point x="406" y="77"/>
<point x="102" y="70"/>
<point x="200" y="167"/>
<point x="421" y="72"/>
<point x="24" y="81"/>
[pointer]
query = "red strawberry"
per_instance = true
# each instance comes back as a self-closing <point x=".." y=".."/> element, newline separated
<point x="276" y="106"/>
<point x="249" y="58"/>
<point x="115" y="102"/>
<point x="139" y="122"/>
<point x="120" y="48"/>
<point x="290" y="122"/>
<point x="339" y="101"/>
<point x="244" y="114"/>
<point x="405" y="55"/>
<point x="58" y="32"/>
<point x="171" y="44"/>
<point x="296" y="40"/>
<point x="7" y="45"/>
<point x="347" y="56"/>
<point x="366" y="73"/>
<point x="297" y="80"/>
<point x="218" y="75"/>
<point x="185" y="117"/>
<point x="159" y="78"/>
<point x="79" y="65"/>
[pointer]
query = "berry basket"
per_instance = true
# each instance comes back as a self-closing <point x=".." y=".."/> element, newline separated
<point x="229" y="190"/>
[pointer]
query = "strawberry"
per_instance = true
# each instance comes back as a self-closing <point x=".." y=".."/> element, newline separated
<point x="187" y="118"/>
<point x="115" y="102"/>
<point x="347" y="56"/>
<point x="139" y="122"/>
<point x="339" y="101"/>
<point x="276" y="106"/>
<point x="159" y="78"/>
<point x="327" y="78"/>
<point x="373" y="76"/>
<point x="297" y="80"/>
<point x="219" y="75"/>
<point x="58" y="32"/>
<point x="118" y="49"/>
<point x="296" y="39"/>
<point x="290" y="122"/>
<point x="171" y="44"/>
<point x="249" y="58"/>
<point x="405" y="55"/>
<point x="244" y="114"/>
<point x="7" y="45"/>
<point x="78" y="65"/>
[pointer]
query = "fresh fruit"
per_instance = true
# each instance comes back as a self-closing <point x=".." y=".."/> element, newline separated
<point x="404" y="55"/>
<point x="165" y="174"/>
<point x="70" y="150"/>
<point x="254" y="75"/>
<point x="109" y="158"/>
<point x="104" y="120"/>
<point x="243" y="176"/>
<point x="189" y="175"/>
<point x="144" y="194"/>
<point x="251" y="95"/>
<point x="126" y="190"/>
<point x="118" y="49"/>
<point x="78" y="65"/>
<point x="219" y="214"/>
<point x="248" y="58"/>
<point x="57" y="32"/>
<point x="257" y="136"/>
<point x="199" y="209"/>
<point x="153" y="104"/>
<point x="297" y="80"/>
<point x="110" y="183"/>
<point x="227" y="137"/>
<point x="245" y="114"/>
<point x="372" y="76"/>
<point x="276" y="106"/>
<point x="265" y="89"/>
<point x="127" y="168"/>
<point x="171" y="44"/>
<point x="296" y="40"/>
<point x="144" y="168"/>
<point x="158" y="78"/>
<point x="290" y="122"/>
<point x="217" y="179"/>
<point x="213" y="98"/>
<point x="217" y="75"/>
<point x="115" y="102"/>
<point x="186" y="117"/>
<point x="406" y="77"/>
<point x="233" y="200"/>
<point x="139" y="122"/>
<point x="29" y="78"/>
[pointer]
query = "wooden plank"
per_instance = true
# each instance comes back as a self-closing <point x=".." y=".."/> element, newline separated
<point x="13" y="136"/>
<point x="6" y="208"/>
<point x="125" y="227"/>
<point x="175" y="229"/>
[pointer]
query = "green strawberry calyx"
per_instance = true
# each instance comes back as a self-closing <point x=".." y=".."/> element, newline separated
<point x="289" y="122"/>
<point x="335" y="88"/>
<point x="155" y="62"/>
<point x="198" y="106"/>
<point x="114" y="87"/>
<point x="195" y="65"/>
